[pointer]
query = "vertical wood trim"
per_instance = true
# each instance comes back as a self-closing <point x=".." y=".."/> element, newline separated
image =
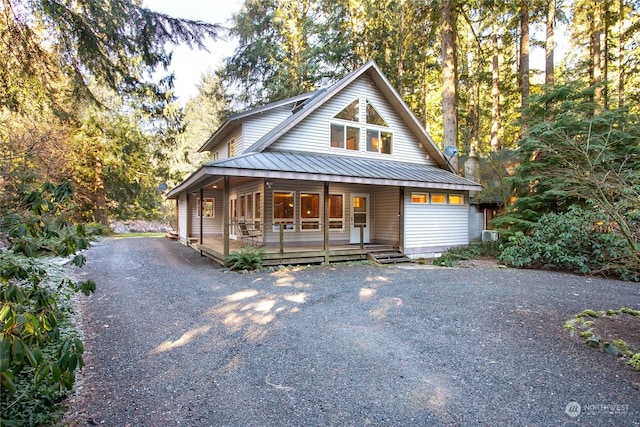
<point x="188" y="228"/>
<point x="401" y="220"/>
<point x="225" y="218"/>
<point x="326" y="222"/>
<point x="178" y="216"/>
<point x="201" y="216"/>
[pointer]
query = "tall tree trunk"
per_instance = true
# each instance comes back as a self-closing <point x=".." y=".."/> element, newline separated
<point x="524" y="61"/>
<point x="549" y="44"/>
<point x="99" y="195"/>
<point x="473" y="110"/>
<point x="596" y="56"/>
<point x="450" y="125"/>
<point x="402" y="35"/>
<point x="621" y="41"/>
<point x="495" y="91"/>
<point x="605" y="54"/>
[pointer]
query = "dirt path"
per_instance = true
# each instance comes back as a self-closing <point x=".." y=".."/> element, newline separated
<point x="174" y="341"/>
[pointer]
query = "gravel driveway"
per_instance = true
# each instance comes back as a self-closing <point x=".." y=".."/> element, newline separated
<point x="172" y="340"/>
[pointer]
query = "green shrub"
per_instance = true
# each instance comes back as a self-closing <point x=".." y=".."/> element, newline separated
<point x="577" y="240"/>
<point x="450" y="258"/>
<point x="634" y="361"/>
<point x="39" y="352"/>
<point x="247" y="258"/>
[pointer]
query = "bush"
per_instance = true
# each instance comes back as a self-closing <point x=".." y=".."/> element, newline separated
<point x="450" y="258"/>
<point x="39" y="352"/>
<point x="578" y="240"/>
<point x="248" y="258"/>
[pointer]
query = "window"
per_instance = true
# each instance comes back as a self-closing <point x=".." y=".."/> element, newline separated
<point x="215" y="156"/>
<point x="208" y="208"/>
<point x="231" y="148"/>
<point x="283" y="210"/>
<point x="243" y="207"/>
<point x="351" y="112"/>
<point x="348" y="137"/>
<point x="456" y="199"/>
<point x="345" y="137"/>
<point x="257" y="202"/>
<point x="379" y="141"/>
<point x="373" y="118"/>
<point x="336" y="212"/>
<point x="439" y="198"/>
<point x="310" y="211"/>
<point x="249" y="205"/>
<point x="420" y="198"/>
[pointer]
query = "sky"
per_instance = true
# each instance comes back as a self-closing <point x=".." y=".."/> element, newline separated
<point x="189" y="65"/>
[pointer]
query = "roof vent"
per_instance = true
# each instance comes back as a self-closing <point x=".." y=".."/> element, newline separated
<point x="325" y="82"/>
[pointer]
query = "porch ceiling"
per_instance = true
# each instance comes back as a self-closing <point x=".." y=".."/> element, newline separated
<point x="320" y="167"/>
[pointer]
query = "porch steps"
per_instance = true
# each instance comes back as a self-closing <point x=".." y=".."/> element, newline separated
<point x="389" y="256"/>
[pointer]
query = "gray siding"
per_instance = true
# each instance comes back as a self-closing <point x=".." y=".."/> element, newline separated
<point x="386" y="210"/>
<point x="255" y="127"/>
<point x="432" y="228"/>
<point x="221" y="148"/>
<point x="183" y="219"/>
<point x="211" y="226"/>
<point x="313" y="133"/>
<point x="476" y="223"/>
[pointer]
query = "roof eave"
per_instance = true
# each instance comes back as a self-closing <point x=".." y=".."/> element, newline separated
<point x="346" y="179"/>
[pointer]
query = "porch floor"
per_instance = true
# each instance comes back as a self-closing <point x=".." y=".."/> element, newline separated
<point x="305" y="254"/>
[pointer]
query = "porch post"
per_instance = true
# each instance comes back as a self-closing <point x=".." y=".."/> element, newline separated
<point x="326" y="222"/>
<point x="178" y="216"/>
<point x="225" y="218"/>
<point x="401" y="221"/>
<point x="188" y="223"/>
<point x="201" y="218"/>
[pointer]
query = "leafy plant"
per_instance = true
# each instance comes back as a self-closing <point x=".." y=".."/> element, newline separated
<point x="38" y="354"/>
<point x="580" y="240"/>
<point x="247" y="258"/>
<point x="475" y="250"/>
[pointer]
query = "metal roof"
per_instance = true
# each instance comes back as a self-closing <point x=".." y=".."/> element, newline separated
<point x="321" y="96"/>
<point x="322" y="167"/>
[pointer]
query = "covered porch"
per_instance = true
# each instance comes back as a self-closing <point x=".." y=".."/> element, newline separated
<point x="354" y="210"/>
<point x="214" y="248"/>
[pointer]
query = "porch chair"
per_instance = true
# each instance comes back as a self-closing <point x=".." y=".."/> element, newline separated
<point x="246" y="233"/>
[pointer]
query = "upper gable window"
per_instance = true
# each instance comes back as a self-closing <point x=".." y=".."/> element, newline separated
<point x="373" y="118"/>
<point x="351" y="112"/>
<point x="348" y="136"/>
<point x="345" y="137"/>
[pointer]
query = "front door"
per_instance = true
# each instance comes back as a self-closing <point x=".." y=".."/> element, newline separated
<point x="360" y="208"/>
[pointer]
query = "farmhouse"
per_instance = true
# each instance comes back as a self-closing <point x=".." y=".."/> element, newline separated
<point x="341" y="173"/>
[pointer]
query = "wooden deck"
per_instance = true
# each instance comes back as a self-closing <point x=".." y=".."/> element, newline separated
<point x="214" y="248"/>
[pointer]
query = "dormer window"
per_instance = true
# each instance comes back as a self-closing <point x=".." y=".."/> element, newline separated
<point x="347" y="136"/>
